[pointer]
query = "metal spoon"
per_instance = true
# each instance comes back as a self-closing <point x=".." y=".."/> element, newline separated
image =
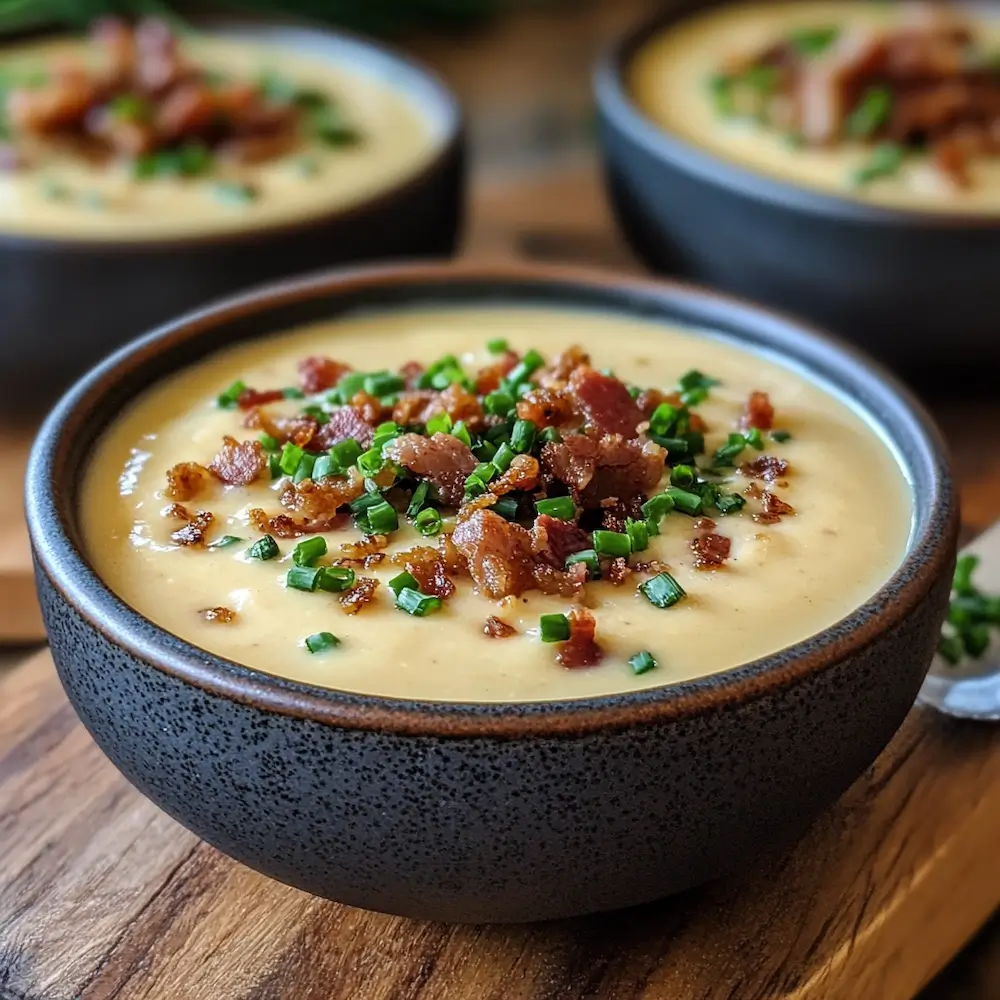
<point x="971" y="690"/>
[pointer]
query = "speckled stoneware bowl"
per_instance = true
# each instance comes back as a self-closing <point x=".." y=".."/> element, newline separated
<point x="478" y="812"/>
<point x="67" y="302"/>
<point x="916" y="288"/>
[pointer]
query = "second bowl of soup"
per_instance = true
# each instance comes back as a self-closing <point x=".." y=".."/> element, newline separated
<point x="490" y="596"/>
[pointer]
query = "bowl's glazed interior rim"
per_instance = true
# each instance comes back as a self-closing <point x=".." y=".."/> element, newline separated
<point x="437" y="104"/>
<point x="613" y="97"/>
<point x="77" y="421"/>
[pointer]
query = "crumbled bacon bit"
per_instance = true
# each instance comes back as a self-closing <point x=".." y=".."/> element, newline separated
<point x="759" y="412"/>
<point x="522" y="474"/>
<point x="458" y="403"/>
<point x="239" y="463"/>
<point x="605" y="402"/>
<point x="317" y="374"/>
<point x="548" y="407"/>
<point x="554" y="540"/>
<point x="498" y="553"/>
<point x="411" y="373"/>
<point x="367" y="546"/>
<point x="618" y="571"/>
<point x="224" y="616"/>
<point x="497" y="628"/>
<point x="299" y="430"/>
<point x="488" y="379"/>
<point x="410" y="406"/>
<point x="607" y="467"/>
<point x="319" y="502"/>
<point x="369" y="408"/>
<point x="249" y="398"/>
<point x="361" y="594"/>
<point x="428" y="569"/>
<point x="454" y="561"/>
<point x="703" y="524"/>
<point x="196" y="529"/>
<point x="345" y="422"/>
<point x="186" y="480"/>
<point x="710" y="550"/>
<point x="567" y="582"/>
<point x="615" y="513"/>
<point x="563" y="365"/>
<point x="581" y="648"/>
<point x="441" y="458"/>
<point x="651" y="566"/>
<point x="773" y="508"/>
<point x="767" y="467"/>
<point x="649" y="399"/>
<point x="283" y="526"/>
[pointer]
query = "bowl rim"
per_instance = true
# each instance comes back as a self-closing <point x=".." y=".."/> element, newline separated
<point x="616" y="105"/>
<point x="446" y="148"/>
<point x="48" y="503"/>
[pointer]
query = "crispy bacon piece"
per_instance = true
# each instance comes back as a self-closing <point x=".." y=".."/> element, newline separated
<point x="477" y="503"/>
<point x="249" y="398"/>
<point x="239" y="463"/>
<point x="498" y="553"/>
<point x="221" y="615"/>
<point x="441" y="458"/>
<point x="759" y="412"/>
<point x="607" y="467"/>
<point x="427" y="568"/>
<point x="710" y="550"/>
<point x="604" y="402"/>
<point x="768" y="467"/>
<point x="553" y="540"/>
<point x="565" y="363"/>
<point x="369" y="408"/>
<point x="360" y="595"/>
<point x="581" y="648"/>
<point x="615" y="513"/>
<point x="186" y="480"/>
<point x="497" y="628"/>
<point x="458" y="403"/>
<point x="548" y="407"/>
<point x="63" y="103"/>
<point x="367" y="546"/>
<point x="319" y="502"/>
<point x="454" y="561"/>
<point x="317" y="373"/>
<point x="190" y="109"/>
<point x="283" y="526"/>
<point x="562" y="582"/>
<point x="488" y="379"/>
<point x="299" y="430"/>
<point x="618" y="571"/>
<point x="410" y="406"/>
<point x="411" y="373"/>
<point x="652" y="566"/>
<point x="773" y="508"/>
<point x="704" y="524"/>
<point x="521" y="474"/>
<point x="345" y="422"/>
<point x="196" y="530"/>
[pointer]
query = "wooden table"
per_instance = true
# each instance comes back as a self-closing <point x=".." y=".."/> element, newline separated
<point x="102" y="896"/>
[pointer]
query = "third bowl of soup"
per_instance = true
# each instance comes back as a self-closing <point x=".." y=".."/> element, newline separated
<point x="490" y="595"/>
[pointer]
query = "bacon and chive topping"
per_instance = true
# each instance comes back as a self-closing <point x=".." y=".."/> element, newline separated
<point x="972" y="616"/>
<point x="927" y="87"/>
<point x="528" y="475"/>
<point x="321" y="642"/>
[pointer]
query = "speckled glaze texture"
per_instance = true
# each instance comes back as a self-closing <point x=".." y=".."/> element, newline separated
<point x="915" y="288"/>
<point x="66" y="304"/>
<point x="486" y="812"/>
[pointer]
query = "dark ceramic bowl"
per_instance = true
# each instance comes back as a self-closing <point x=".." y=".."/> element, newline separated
<point x="65" y="303"/>
<point x="487" y="812"/>
<point x="917" y="288"/>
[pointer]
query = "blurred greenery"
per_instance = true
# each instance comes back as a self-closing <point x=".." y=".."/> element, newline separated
<point x="383" y="17"/>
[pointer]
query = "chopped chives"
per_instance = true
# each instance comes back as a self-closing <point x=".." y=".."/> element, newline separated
<point x="885" y="161"/>
<point x="349" y="386"/>
<point x="498" y="403"/>
<point x="263" y="549"/>
<point x="729" y="503"/>
<point x="486" y="471"/>
<point x="695" y="379"/>
<point x="367" y="500"/>
<point x="754" y="438"/>
<point x="657" y="506"/>
<point x="683" y="476"/>
<point x="303" y="577"/>
<point x="663" y="419"/>
<point x="320" y="642"/>
<point x="428" y="522"/>
<point x="503" y="457"/>
<point x="523" y="370"/>
<point x="317" y="413"/>
<point x="780" y="436"/>
<point x="962" y="581"/>
<point x="506" y="507"/>
<point x="642" y="663"/>
<point x="550" y="435"/>
<point x="615" y="544"/>
<point x="474" y="487"/>
<point x="384" y="434"/>
<point x="590" y="559"/>
<point x="497" y="346"/>
<point x="484" y="450"/>
<point x="292" y="392"/>
<point x="346" y="453"/>
<point x="291" y="455"/>
<point x="720" y="86"/>
<point x="975" y="639"/>
<point x="871" y="113"/>
<point x="460" y="431"/>
<point x="403" y="580"/>
<point x="734" y="446"/>
<point x="304" y="470"/>
<point x="415" y="603"/>
<point x="638" y="534"/>
<point x="268" y="442"/>
<point x="695" y="441"/>
<point x="227" y="400"/>
<point x="560" y="507"/>
<point x="225" y="541"/>
<point x="652" y="526"/>
<point x="553" y="628"/>
<point x="814" y="41"/>
<point x="708" y="492"/>
<point x="309" y="550"/>
<point x="383" y="383"/>
<point x="322" y="467"/>
<point x="446" y="376"/>
<point x="693" y="397"/>
<point x="418" y="499"/>
<point x="687" y="503"/>
<point x="440" y="423"/>
<point x="371" y="462"/>
<point x="500" y="434"/>
<point x="382" y="518"/>
<point x="951" y="649"/>
<point x="274" y="465"/>
<point x="522" y="438"/>
<point x="336" y="578"/>
<point x="662" y="590"/>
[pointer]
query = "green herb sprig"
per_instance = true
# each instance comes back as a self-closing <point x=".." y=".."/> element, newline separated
<point x="971" y="616"/>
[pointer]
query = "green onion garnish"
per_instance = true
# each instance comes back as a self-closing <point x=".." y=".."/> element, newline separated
<point x="320" y="642"/>
<point x="304" y="470"/>
<point x="962" y="583"/>
<point x="885" y="161"/>
<point x="663" y="419"/>
<point x="503" y="457"/>
<point x="309" y="550"/>
<point x="367" y="500"/>
<point x="292" y="392"/>
<point x="322" y="467"/>
<point x="693" y="397"/>
<point x="484" y="450"/>
<point x="951" y="649"/>
<point x="506" y="507"/>
<point x="522" y="438"/>
<point x="227" y="400"/>
<point x="346" y="453"/>
<point x="485" y="471"/>
<point x="225" y="541"/>
<point x="871" y="113"/>
<point x="780" y="436"/>
<point x="814" y="41"/>
<point x="497" y="346"/>
<point x="615" y="544"/>
<point x="460" y="431"/>
<point x="382" y="518"/>
<point x="688" y="503"/>
<point x="729" y="503"/>
<point x="336" y="578"/>
<point x="474" y="487"/>
<point x="695" y="379"/>
<point x="440" y="423"/>
<point x="560" y="507"/>
<point x="403" y="580"/>
<point x="371" y="462"/>
<point x="975" y="639"/>
<point x="657" y="506"/>
<point x="303" y="577"/>
<point x="642" y="662"/>
<point x="662" y="590"/>
<point x="638" y="534"/>
<point x="523" y="370"/>
<point x="683" y="476"/>
<point x="428" y="522"/>
<point x="269" y="443"/>
<point x="553" y="628"/>
<point x="498" y="403"/>
<point x="590" y="558"/>
<point x="385" y="433"/>
<point x="754" y="438"/>
<point x="418" y="499"/>
<point x="383" y="383"/>
<point x="734" y="446"/>
<point x="291" y="455"/>
<point x="274" y="465"/>
<point x="414" y="603"/>
<point x="550" y="435"/>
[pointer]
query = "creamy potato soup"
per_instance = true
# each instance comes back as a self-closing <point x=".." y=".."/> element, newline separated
<point x="117" y="137"/>
<point x="510" y="520"/>
<point x="894" y="103"/>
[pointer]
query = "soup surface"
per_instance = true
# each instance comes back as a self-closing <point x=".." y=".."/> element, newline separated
<point x="56" y="192"/>
<point x="786" y="575"/>
<point x="670" y="80"/>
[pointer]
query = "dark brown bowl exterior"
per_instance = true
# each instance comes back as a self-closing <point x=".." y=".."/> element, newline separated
<point x="916" y="288"/>
<point x="64" y="304"/>
<point x="478" y="812"/>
